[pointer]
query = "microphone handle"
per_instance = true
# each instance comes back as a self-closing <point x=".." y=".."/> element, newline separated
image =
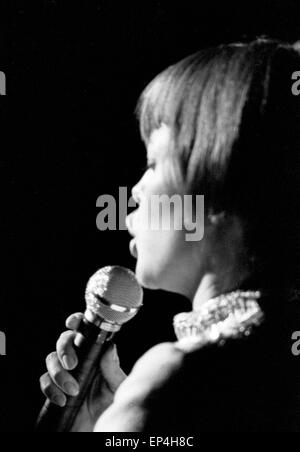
<point x="91" y="342"/>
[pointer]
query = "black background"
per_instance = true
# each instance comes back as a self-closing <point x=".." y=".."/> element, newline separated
<point x="74" y="72"/>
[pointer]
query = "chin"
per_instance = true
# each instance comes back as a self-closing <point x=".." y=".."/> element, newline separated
<point x="154" y="278"/>
<point x="147" y="277"/>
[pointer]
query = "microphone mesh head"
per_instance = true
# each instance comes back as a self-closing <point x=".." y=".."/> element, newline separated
<point x="114" y="294"/>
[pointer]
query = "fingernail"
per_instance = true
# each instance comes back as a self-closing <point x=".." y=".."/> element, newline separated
<point x="69" y="363"/>
<point x="71" y="389"/>
<point x="59" y="400"/>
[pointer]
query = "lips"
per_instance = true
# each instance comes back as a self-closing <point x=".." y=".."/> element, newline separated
<point x="133" y="248"/>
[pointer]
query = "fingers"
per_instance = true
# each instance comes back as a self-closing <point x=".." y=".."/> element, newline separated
<point x="110" y="368"/>
<point x="64" y="347"/>
<point x="60" y="377"/>
<point x="57" y="382"/>
<point x="65" y="350"/>
<point x="74" y="320"/>
<point x="51" y="391"/>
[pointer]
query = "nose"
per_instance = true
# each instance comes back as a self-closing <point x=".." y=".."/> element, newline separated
<point x="135" y="192"/>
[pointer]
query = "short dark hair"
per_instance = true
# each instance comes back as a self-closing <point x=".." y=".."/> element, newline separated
<point x="236" y="139"/>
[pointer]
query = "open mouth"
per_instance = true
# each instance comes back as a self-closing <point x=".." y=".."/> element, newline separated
<point x="133" y="248"/>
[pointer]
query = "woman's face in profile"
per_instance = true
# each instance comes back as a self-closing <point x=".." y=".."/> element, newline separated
<point x="165" y="260"/>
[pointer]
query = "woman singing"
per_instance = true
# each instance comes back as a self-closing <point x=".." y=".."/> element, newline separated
<point x="223" y="123"/>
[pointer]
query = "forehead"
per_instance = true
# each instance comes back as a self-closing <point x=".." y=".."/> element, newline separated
<point x="159" y="142"/>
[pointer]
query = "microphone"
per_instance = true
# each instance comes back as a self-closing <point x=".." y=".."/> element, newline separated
<point x="113" y="297"/>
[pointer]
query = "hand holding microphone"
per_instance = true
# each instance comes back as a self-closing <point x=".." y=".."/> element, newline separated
<point x="58" y="383"/>
<point x="84" y="372"/>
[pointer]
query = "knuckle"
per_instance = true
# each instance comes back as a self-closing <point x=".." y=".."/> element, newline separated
<point x="73" y="321"/>
<point x="51" y="357"/>
<point x="63" y="338"/>
<point x="46" y="384"/>
<point x="43" y="380"/>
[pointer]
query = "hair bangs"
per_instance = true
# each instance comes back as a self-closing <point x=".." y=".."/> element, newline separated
<point x="165" y="97"/>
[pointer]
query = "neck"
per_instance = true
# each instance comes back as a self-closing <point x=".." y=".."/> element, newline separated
<point x="213" y="285"/>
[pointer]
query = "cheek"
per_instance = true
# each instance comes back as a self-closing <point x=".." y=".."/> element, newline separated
<point x="161" y="257"/>
<point x="159" y="223"/>
<point x="158" y="250"/>
<point x="160" y="211"/>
